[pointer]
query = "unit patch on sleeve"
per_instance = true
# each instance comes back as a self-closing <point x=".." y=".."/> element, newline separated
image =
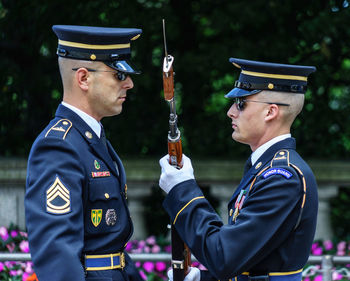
<point x="96" y="216"/>
<point x="277" y="171"/>
<point x="58" y="198"/>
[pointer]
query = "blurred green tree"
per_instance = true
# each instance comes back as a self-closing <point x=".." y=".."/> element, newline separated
<point x="202" y="35"/>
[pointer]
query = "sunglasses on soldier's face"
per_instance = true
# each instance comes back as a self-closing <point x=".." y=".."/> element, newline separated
<point x="241" y="103"/>
<point x="121" y="76"/>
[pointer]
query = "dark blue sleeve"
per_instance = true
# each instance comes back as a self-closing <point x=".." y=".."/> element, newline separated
<point x="230" y="249"/>
<point x="206" y="276"/>
<point x="131" y="270"/>
<point x="55" y="228"/>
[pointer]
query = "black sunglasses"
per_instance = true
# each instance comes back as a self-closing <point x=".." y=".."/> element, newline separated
<point x="120" y="75"/>
<point x="240" y="103"/>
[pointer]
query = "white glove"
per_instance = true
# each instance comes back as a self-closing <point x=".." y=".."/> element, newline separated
<point x="193" y="275"/>
<point x="171" y="176"/>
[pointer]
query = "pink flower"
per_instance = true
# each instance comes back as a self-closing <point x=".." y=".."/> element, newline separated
<point x="29" y="267"/>
<point x="195" y="264"/>
<point x="11" y="247"/>
<point x="202" y="267"/>
<point x="151" y="240"/>
<point x="4" y="233"/>
<point x="138" y="264"/>
<point x="318" y="278"/>
<point x="24" y="246"/>
<point x="23" y="234"/>
<point x="167" y="249"/>
<point x="336" y="276"/>
<point x="15" y="272"/>
<point x="9" y="264"/>
<point x="341" y="246"/>
<point x="147" y="249"/>
<point x="13" y="233"/>
<point x="136" y="251"/>
<point x="340" y="253"/>
<point x="148" y="266"/>
<point x="141" y="244"/>
<point x="328" y="245"/>
<point x="143" y="275"/>
<point x="155" y="249"/>
<point x="25" y="276"/>
<point x="317" y="251"/>
<point x="307" y="278"/>
<point x="160" y="266"/>
<point x="128" y="247"/>
<point x="1" y="266"/>
<point x="314" y="246"/>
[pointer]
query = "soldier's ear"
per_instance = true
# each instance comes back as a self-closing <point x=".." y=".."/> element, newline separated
<point x="272" y="112"/>
<point x="81" y="76"/>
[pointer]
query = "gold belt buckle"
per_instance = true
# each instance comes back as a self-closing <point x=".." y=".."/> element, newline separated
<point x="122" y="260"/>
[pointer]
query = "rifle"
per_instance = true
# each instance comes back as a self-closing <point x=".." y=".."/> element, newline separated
<point x="180" y="253"/>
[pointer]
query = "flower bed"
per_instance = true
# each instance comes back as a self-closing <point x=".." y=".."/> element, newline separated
<point x="328" y="247"/>
<point x="14" y="240"/>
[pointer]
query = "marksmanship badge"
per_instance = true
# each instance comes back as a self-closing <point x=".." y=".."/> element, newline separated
<point x="111" y="217"/>
<point x="96" y="216"/>
<point x="97" y="165"/>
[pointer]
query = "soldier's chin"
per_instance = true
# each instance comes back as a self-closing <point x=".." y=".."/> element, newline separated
<point x="236" y="137"/>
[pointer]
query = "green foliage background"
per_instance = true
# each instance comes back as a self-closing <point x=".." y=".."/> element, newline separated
<point x="202" y="35"/>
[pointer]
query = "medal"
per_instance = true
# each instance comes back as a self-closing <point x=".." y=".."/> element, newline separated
<point x="111" y="217"/>
<point x="239" y="203"/>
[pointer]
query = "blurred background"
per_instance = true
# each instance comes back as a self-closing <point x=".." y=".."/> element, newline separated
<point x="202" y="35"/>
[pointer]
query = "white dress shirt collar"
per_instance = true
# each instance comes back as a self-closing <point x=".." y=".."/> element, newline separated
<point x="92" y="122"/>
<point x="261" y="149"/>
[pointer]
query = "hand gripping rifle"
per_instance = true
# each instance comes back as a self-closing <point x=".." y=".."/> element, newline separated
<point x="180" y="253"/>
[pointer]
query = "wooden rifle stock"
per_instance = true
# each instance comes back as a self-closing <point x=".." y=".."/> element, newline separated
<point x="168" y="84"/>
<point x="175" y="153"/>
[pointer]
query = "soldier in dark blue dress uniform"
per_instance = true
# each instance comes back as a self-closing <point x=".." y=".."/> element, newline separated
<point x="272" y="213"/>
<point x="76" y="210"/>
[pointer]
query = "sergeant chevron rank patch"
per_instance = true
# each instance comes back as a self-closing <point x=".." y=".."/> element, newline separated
<point x="57" y="198"/>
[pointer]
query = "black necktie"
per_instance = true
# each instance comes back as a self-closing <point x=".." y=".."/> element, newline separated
<point x="103" y="137"/>
<point x="104" y="141"/>
<point x="248" y="164"/>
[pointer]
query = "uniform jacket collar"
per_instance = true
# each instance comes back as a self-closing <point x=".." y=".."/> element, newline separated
<point x="264" y="159"/>
<point x="82" y="127"/>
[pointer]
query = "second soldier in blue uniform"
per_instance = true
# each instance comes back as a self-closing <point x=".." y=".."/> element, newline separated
<point x="76" y="211"/>
<point x="272" y="213"/>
